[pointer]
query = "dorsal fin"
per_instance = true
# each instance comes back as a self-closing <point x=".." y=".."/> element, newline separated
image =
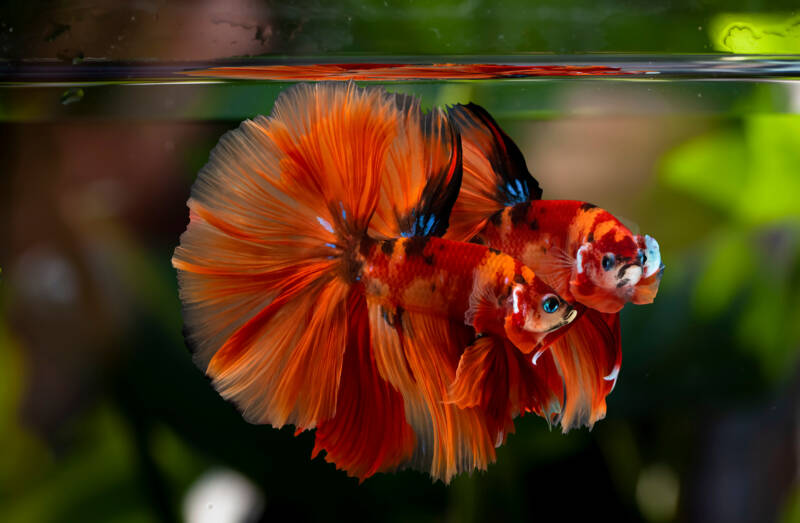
<point x="495" y="173"/>
<point x="422" y="177"/>
<point x="513" y="182"/>
<point x="431" y="216"/>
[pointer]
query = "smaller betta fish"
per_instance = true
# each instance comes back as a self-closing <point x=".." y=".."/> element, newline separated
<point x="587" y="255"/>
<point x="318" y="291"/>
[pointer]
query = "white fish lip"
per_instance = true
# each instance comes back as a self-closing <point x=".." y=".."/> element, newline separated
<point x="653" y="253"/>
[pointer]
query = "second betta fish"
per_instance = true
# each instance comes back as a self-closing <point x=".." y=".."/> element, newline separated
<point x="587" y="255"/>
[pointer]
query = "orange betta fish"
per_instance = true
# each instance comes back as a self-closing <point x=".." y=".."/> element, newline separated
<point x="588" y="256"/>
<point x="318" y="291"/>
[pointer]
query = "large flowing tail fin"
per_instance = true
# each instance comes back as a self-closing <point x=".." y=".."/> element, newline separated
<point x="270" y="272"/>
<point x="495" y="173"/>
<point x="277" y="215"/>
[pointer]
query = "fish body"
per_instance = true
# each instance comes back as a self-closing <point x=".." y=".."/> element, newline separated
<point x="318" y="292"/>
<point x="451" y="279"/>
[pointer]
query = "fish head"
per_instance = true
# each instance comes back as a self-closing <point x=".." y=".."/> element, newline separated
<point x="608" y="266"/>
<point x="538" y="310"/>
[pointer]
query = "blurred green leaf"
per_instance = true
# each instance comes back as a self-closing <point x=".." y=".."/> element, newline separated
<point x="711" y="168"/>
<point x="773" y="182"/>
<point x="729" y="265"/>
<point x="756" y="33"/>
<point x="750" y="173"/>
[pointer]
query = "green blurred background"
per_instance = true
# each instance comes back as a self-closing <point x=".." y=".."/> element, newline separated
<point x="103" y="416"/>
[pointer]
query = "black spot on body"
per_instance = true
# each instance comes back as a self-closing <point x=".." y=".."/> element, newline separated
<point x="416" y="245"/>
<point x="388" y="247"/>
<point x="534" y="225"/>
<point x="519" y="279"/>
<point x="497" y="218"/>
<point x="365" y="247"/>
<point x="493" y="250"/>
<point x="519" y="212"/>
<point x="587" y="206"/>
<point x="590" y="238"/>
<point x="428" y="259"/>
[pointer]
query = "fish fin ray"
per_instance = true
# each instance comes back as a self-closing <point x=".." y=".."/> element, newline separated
<point x="588" y="354"/>
<point x="369" y="432"/>
<point x="423" y="175"/>
<point x="495" y="172"/>
<point x="418" y="353"/>
<point x="276" y="217"/>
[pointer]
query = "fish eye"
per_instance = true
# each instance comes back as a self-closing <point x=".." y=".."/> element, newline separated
<point x="550" y="304"/>
<point x="642" y="258"/>
<point x="608" y="262"/>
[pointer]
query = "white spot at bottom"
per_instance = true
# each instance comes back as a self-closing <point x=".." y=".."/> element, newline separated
<point x="222" y="496"/>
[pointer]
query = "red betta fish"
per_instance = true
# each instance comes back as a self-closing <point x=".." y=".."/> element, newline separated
<point x="582" y="251"/>
<point x="318" y="292"/>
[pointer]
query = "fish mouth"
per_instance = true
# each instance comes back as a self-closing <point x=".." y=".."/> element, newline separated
<point x="568" y="317"/>
<point x="627" y="278"/>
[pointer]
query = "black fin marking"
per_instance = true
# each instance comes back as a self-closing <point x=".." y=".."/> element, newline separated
<point x="515" y="183"/>
<point x="431" y="217"/>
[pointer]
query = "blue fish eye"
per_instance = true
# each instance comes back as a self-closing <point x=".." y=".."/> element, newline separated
<point x="550" y="304"/>
<point x="608" y="262"/>
<point x="642" y="258"/>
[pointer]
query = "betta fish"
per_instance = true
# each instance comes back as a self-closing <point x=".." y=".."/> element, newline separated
<point x="318" y="291"/>
<point x="583" y="252"/>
